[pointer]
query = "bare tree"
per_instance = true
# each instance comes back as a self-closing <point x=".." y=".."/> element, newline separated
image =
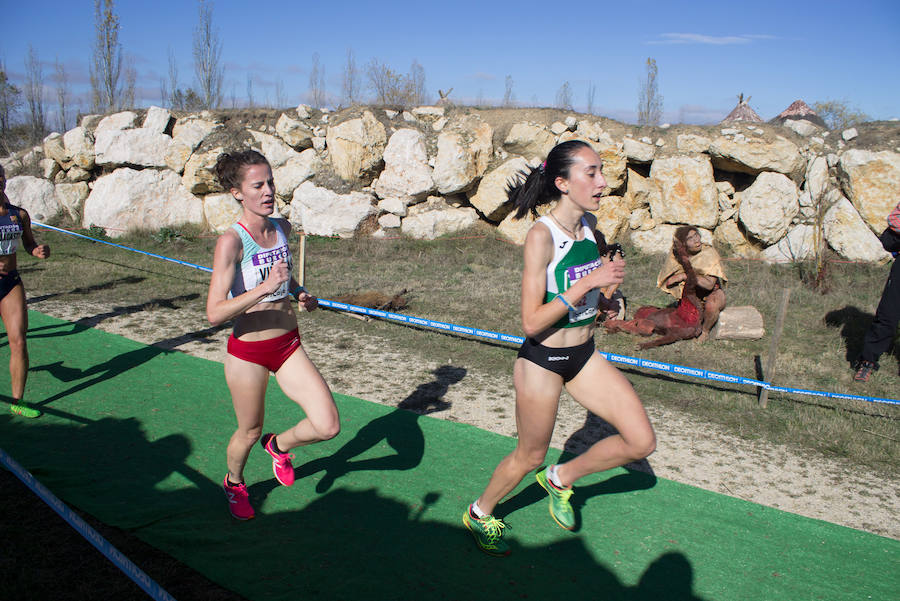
<point x="34" y="94"/>
<point x="509" y="98"/>
<point x="350" y="81"/>
<point x="416" y="84"/>
<point x="106" y="62"/>
<point x="388" y="85"/>
<point x="591" y="93"/>
<point x="173" y="78"/>
<point x="63" y="94"/>
<point x="249" y="91"/>
<point x="564" y="97"/>
<point x="208" y="58"/>
<point x="10" y="101"/>
<point x="280" y="98"/>
<point x="317" y="82"/>
<point x="650" y="102"/>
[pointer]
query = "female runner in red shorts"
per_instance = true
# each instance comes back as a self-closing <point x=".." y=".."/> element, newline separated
<point x="251" y="284"/>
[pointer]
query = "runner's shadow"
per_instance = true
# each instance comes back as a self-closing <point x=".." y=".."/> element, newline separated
<point x="131" y="279"/>
<point x="853" y="324"/>
<point x="398" y="429"/>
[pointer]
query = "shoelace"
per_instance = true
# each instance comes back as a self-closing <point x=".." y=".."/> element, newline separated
<point x="564" y="494"/>
<point x="493" y="527"/>
<point x="282" y="457"/>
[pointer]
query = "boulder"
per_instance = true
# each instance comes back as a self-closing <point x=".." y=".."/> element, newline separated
<point x="849" y="235"/>
<point x="137" y="147"/>
<point x="295" y="171"/>
<point x="157" y="120"/>
<point x="128" y="199"/>
<point x="464" y="150"/>
<point x="55" y="148"/>
<point x="692" y="143"/>
<point x="71" y="197"/>
<point x="115" y="122"/>
<point x="435" y="218"/>
<point x="640" y="219"/>
<point x="729" y="235"/>
<point x="490" y="197"/>
<point x="613" y="217"/>
<point x="798" y="245"/>
<point x="322" y="212"/>
<point x="221" y="211"/>
<point x="754" y="155"/>
<point x="79" y="143"/>
<point x="641" y="191"/>
<point x="638" y="151"/>
<point x="34" y="194"/>
<point x="529" y="140"/>
<point x="688" y="191"/>
<point x="187" y="135"/>
<point x="274" y="149"/>
<point x="356" y="146"/>
<point x="871" y="181"/>
<point x="407" y="174"/>
<point x="739" y="323"/>
<point x="768" y="206"/>
<point x="294" y="132"/>
<point x="200" y="172"/>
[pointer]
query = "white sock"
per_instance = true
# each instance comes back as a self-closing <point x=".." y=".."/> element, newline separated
<point x="554" y="477"/>
<point x="477" y="510"/>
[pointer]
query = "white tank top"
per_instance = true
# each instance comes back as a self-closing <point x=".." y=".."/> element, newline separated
<point x="257" y="262"/>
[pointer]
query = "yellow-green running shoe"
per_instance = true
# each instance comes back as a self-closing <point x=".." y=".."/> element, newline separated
<point x="488" y="533"/>
<point x="560" y="509"/>
<point x="25" y="410"/>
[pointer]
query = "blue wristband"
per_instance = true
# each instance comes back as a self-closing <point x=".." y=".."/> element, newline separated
<point x="565" y="302"/>
<point x="296" y="291"/>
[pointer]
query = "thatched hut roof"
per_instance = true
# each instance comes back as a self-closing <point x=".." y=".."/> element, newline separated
<point x="799" y="110"/>
<point x="743" y="112"/>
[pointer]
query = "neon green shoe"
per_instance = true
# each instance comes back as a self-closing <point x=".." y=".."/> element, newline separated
<point x="25" y="410"/>
<point x="560" y="509"/>
<point x="488" y="533"/>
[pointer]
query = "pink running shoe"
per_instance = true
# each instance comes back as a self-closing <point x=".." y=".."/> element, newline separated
<point x="281" y="462"/>
<point x="238" y="500"/>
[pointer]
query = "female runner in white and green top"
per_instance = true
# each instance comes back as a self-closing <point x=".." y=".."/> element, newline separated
<point x="561" y="283"/>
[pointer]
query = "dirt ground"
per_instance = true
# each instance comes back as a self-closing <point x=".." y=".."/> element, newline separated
<point x="698" y="454"/>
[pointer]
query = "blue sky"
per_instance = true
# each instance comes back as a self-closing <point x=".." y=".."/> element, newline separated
<point x="706" y="52"/>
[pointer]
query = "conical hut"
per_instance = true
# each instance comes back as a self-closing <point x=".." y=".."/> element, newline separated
<point x="799" y="111"/>
<point x="743" y="112"/>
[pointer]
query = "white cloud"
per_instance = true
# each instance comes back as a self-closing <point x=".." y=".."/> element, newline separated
<point x="699" y="38"/>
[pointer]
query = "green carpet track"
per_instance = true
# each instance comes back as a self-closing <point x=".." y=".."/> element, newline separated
<point x="136" y="437"/>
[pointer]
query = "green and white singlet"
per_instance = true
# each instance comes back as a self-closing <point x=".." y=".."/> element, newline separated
<point x="571" y="261"/>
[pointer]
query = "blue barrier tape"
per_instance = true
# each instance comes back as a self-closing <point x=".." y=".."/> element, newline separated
<point x="449" y="327"/>
<point x="149" y="586"/>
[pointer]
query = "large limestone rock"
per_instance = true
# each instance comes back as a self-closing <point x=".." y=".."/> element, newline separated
<point x="768" y="206"/>
<point x="146" y="200"/>
<point x="116" y="122"/>
<point x="816" y="178"/>
<point x="356" y="146"/>
<point x="79" y="143"/>
<point x="613" y="217"/>
<point x="34" y="194"/>
<point x="407" y="174"/>
<point x="850" y="236"/>
<point x="871" y="180"/>
<point x="273" y="148"/>
<point x="295" y="171"/>
<point x="693" y="143"/>
<point x="754" y="155"/>
<point x="187" y="134"/>
<point x="322" y="212"/>
<point x="637" y="151"/>
<point x="157" y="120"/>
<point x="529" y="140"/>
<point x="221" y="211"/>
<point x="641" y="191"/>
<point x="739" y="323"/>
<point x="55" y="148"/>
<point x="71" y="196"/>
<point x="490" y="197"/>
<point x="138" y="147"/>
<point x="435" y="218"/>
<point x="515" y="230"/>
<point x="464" y="150"/>
<point x="200" y="172"/>
<point x="294" y="132"/>
<point x="729" y="235"/>
<point x="798" y="245"/>
<point x="688" y="191"/>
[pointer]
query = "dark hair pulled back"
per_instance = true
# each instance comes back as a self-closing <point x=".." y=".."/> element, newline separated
<point x="230" y="166"/>
<point x="538" y="186"/>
